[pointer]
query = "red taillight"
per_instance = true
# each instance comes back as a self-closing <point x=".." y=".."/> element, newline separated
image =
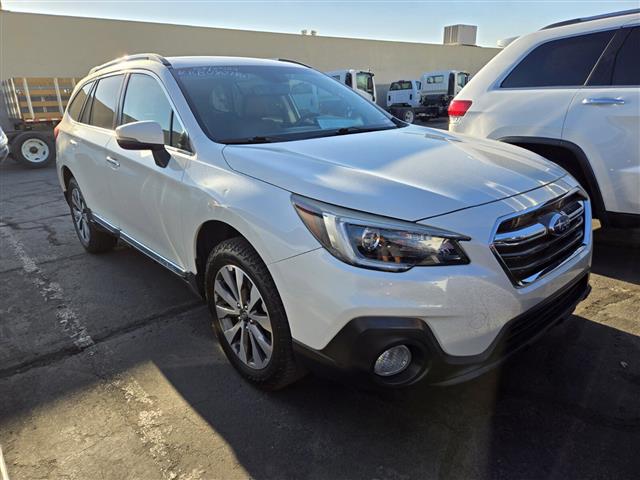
<point x="56" y="130"/>
<point x="457" y="108"/>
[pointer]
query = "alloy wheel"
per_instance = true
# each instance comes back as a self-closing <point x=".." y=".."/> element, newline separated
<point x="243" y="317"/>
<point x="80" y="216"/>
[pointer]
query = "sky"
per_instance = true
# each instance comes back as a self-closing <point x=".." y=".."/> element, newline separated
<point x="413" y="21"/>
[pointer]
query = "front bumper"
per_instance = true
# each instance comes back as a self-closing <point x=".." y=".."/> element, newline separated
<point x="353" y="351"/>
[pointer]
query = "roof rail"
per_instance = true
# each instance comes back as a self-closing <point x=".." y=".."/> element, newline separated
<point x="589" y="19"/>
<point x="294" y="61"/>
<point x="129" y="58"/>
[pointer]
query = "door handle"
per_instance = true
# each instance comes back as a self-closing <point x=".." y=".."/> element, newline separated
<point x="73" y="142"/>
<point x="113" y="162"/>
<point x="603" y="101"/>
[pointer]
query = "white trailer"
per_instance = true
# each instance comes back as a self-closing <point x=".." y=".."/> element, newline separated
<point x="33" y="106"/>
<point x="361" y="81"/>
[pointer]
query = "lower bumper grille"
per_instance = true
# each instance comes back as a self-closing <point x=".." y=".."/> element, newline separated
<point x="531" y="244"/>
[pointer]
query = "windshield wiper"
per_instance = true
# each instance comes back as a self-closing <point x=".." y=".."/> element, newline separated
<point x="248" y="140"/>
<point x="348" y="130"/>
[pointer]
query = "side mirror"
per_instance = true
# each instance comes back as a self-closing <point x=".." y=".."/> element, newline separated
<point x="144" y="136"/>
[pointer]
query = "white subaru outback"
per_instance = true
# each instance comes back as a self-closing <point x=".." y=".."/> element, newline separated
<point x="322" y="232"/>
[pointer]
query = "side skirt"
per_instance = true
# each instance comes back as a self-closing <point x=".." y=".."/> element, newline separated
<point x="184" y="275"/>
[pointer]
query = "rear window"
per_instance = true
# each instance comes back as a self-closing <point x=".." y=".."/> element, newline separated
<point x="75" y="107"/>
<point x="435" y="79"/>
<point x="400" y="86"/>
<point x="105" y="99"/>
<point x="559" y="63"/>
<point x="626" y="70"/>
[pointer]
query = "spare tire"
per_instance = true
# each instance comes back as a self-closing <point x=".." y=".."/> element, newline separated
<point x="33" y="149"/>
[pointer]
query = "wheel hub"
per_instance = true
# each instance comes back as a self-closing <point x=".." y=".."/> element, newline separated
<point x="35" y="150"/>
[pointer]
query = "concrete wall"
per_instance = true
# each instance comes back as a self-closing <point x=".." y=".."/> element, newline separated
<point x="49" y="45"/>
<point x="57" y="46"/>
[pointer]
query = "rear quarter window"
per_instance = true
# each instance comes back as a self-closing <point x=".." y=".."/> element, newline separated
<point x="75" y="107"/>
<point x="626" y="70"/>
<point x="559" y="63"/>
<point x="105" y="100"/>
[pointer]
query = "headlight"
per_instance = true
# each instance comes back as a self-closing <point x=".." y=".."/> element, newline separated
<point x="3" y="138"/>
<point x="377" y="242"/>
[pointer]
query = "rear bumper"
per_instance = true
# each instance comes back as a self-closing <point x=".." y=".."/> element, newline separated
<point x="353" y="351"/>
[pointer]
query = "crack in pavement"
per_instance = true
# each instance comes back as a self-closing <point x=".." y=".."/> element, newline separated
<point x="63" y="353"/>
<point x="12" y="224"/>
<point x="24" y="195"/>
<point x="45" y="262"/>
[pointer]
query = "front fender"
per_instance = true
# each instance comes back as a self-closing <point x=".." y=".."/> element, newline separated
<point x="261" y="212"/>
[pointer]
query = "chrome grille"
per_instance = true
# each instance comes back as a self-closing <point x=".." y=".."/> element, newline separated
<point x="535" y="242"/>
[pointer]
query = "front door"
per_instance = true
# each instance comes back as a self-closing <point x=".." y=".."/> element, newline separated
<point x="149" y="197"/>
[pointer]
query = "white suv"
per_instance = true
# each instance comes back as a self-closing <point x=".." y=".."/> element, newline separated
<point x="571" y="93"/>
<point x="323" y="232"/>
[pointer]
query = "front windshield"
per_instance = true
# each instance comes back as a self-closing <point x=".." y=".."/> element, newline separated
<point x="258" y="104"/>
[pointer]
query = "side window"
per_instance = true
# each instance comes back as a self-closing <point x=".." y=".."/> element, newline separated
<point x="86" y="111"/>
<point x="75" y="107"/>
<point x="626" y="70"/>
<point x="179" y="138"/>
<point x="348" y="80"/>
<point x="419" y="85"/>
<point x="559" y="63"/>
<point x="146" y="101"/>
<point x="105" y="100"/>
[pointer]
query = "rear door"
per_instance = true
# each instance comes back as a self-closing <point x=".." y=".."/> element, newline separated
<point x="148" y="198"/>
<point x="89" y="138"/>
<point x="604" y="120"/>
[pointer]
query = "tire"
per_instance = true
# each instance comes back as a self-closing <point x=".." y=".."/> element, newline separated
<point x="408" y="116"/>
<point x="92" y="237"/>
<point x="243" y="332"/>
<point x="33" y="149"/>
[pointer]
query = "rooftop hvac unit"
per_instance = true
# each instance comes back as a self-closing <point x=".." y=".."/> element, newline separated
<point x="460" y="35"/>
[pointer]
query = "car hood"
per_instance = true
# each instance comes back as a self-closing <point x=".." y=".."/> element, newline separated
<point x="407" y="173"/>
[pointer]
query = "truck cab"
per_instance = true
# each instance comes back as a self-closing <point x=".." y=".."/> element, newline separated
<point x="404" y="93"/>
<point x="360" y="80"/>
<point x="439" y="88"/>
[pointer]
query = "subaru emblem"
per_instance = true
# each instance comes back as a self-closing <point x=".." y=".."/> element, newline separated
<point x="558" y="223"/>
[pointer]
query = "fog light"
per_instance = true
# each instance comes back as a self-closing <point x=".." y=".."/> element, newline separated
<point x="392" y="361"/>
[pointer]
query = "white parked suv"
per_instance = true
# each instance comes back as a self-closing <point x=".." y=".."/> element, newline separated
<point x="328" y="234"/>
<point x="571" y="93"/>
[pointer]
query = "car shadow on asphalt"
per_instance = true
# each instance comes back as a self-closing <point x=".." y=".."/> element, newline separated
<point x="566" y="407"/>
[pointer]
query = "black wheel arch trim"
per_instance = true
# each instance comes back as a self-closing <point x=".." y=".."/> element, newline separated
<point x="583" y="164"/>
